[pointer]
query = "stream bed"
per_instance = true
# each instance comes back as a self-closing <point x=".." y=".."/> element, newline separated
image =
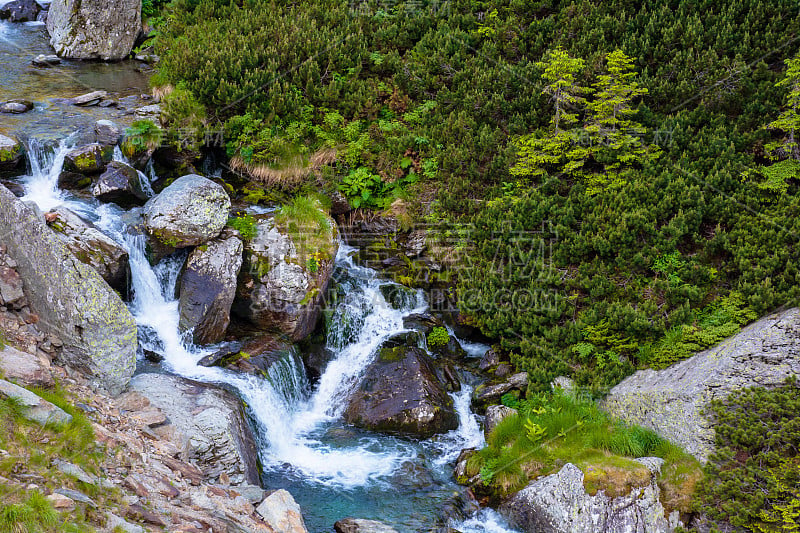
<point x="332" y="469"/>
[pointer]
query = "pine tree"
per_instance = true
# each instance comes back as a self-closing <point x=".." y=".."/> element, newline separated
<point x="789" y="120"/>
<point x="555" y="149"/>
<point x="616" y="139"/>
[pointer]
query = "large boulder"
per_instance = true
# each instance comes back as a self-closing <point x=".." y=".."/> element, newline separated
<point x="211" y="429"/>
<point x="73" y="301"/>
<point x="10" y="153"/>
<point x="191" y="211"/>
<point x="94" y="29"/>
<point x="672" y="401"/>
<point x="207" y="288"/>
<point x="559" y="503"/>
<point x="20" y="10"/>
<point x="400" y="394"/>
<point x="121" y="184"/>
<point x="92" y="247"/>
<point x="284" y="278"/>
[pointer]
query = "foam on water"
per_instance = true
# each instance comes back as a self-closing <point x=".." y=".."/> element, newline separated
<point x="484" y="521"/>
<point x="291" y="419"/>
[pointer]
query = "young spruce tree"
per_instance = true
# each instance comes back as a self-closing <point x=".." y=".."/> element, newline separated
<point x="616" y="139"/>
<point x="555" y="150"/>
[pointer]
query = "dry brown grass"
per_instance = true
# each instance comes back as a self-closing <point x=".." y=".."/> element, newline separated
<point x="160" y="92"/>
<point x="289" y="175"/>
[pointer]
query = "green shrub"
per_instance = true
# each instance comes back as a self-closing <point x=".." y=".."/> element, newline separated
<point x="142" y="135"/>
<point x="438" y="337"/>
<point x="245" y="224"/>
<point x="752" y="480"/>
<point x="184" y="117"/>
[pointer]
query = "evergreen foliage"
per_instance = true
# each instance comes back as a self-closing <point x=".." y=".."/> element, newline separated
<point x="789" y="120"/>
<point x="752" y="481"/>
<point x="436" y="100"/>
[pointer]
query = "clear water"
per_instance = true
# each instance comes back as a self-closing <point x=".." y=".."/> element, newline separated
<point x="52" y="116"/>
<point x="332" y="469"/>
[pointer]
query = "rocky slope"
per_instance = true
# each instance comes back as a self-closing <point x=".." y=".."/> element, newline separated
<point x="161" y="476"/>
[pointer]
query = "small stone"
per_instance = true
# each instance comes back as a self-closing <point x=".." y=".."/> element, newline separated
<point x="10" y="286"/>
<point x="150" y="418"/>
<point x="502" y="370"/>
<point x="75" y="471"/>
<point x="117" y="523"/>
<point x="148" y="111"/>
<point x="61" y="502"/>
<point x="43" y="60"/>
<point x="14" y="108"/>
<point x="139" y="513"/>
<point x="564" y="383"/>
<point x="89" y="99"/>
<point x="252" y="493"/>
<point x="76" y="495"/>
<point x="25" y="368"/>
<point x="107" y="132"/>
<point x="489" y="359"/>
<point x="131" y="401"/>
<point x="494" y="415"/>
<point x="39" y="410"/>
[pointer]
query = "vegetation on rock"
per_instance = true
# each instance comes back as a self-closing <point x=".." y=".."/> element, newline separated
<point x="553" y="428"/>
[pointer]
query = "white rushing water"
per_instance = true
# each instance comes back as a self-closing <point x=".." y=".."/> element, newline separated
<point x="291" y="419"/>
<point x="41" y="183"/>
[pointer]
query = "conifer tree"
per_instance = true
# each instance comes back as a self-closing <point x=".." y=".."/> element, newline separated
<point x="789" y="120"/>
<point x="555" y="149"/>
<point x="616" y="139"/>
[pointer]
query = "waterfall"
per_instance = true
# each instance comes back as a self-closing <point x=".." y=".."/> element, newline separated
<point x="292" y="421"/>
<point x="468" y="434"/>
<point x="45" y="163"/>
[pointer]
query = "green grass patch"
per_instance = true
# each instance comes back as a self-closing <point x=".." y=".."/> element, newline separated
<point x="31" y="450"/>
<point x="553" y="429"/>
<point x="305" y="220"/>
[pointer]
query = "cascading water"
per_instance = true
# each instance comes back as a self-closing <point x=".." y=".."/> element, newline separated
<point x="332" y="469"/>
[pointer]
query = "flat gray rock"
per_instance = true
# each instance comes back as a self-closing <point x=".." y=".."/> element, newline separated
<point x="37" y="410"/>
